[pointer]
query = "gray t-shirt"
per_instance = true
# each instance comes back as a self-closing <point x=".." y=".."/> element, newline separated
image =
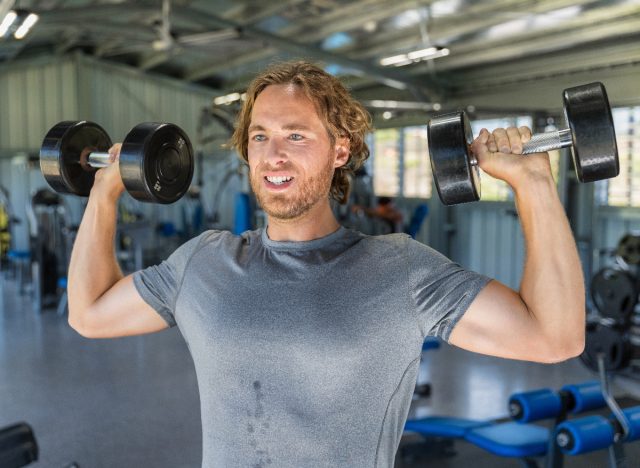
<point x="306" y="353"/>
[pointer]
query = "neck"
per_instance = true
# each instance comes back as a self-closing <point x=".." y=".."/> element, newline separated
<point x="314" y="224"/>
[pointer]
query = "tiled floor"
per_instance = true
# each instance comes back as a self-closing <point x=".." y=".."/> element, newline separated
<point x="133" y="402"/>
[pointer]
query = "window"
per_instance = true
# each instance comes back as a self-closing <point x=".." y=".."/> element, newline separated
<point x="624" y="190"/>
<point x="386" y="162"/>
<point x="417" y="168"/>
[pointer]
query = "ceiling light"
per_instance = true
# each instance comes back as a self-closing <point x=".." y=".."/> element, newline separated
<point x="403" y="105"/>
<point x="7" y="22"/>
<point x="26" y="26"/>
<point x="229" y="98"/>
<point x="19" y="22"/>
<point x="429" y="53"/>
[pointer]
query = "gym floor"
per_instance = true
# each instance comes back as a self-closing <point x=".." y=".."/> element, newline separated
<point x="133" y="402"/>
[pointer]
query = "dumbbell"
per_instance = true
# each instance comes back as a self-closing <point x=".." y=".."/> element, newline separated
<point x="156" y="159"/>
<point x="615" y="293"/>
<point x="590" y="135"/>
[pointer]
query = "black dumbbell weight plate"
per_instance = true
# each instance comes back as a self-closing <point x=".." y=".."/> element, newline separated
<point x="156" y="162"/>
<point x="63" y="148"/>
<point x="629" y="249"/>
<point x="614" y="293"/>
<point x="457" y="179"/>
<point x="588" y="114"/>
<point x="611" y="342"/>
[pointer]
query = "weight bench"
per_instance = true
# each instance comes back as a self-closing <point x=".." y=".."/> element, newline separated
<point x="505" y="439"/>
<point x="519" y="438"/>
<point x="597" y="432"/>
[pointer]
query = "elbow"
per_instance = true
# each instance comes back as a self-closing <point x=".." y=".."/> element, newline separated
<point x="78" y="321"/>
<point x="568" y="347"/>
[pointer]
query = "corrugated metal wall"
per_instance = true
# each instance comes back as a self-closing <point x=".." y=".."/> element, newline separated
<point x="33" y="95"/>
<point x="489" y="240"/>
<point x="37" y="94"/>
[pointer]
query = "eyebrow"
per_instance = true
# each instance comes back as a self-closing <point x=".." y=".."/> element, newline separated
<point x="291" y="126"/>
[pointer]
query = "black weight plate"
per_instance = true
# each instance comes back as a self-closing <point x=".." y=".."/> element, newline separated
<point x="61" y="151"/>
<point x="629" y="249"/>
<point x="609" y="341"/>
<point x="156" y="162"/>
<point x="588" y="114"/>
<point x="457" y="179"/>
<point x="614" y="293"/>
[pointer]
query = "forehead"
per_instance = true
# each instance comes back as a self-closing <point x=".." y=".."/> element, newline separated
<point x="283" y="100"/>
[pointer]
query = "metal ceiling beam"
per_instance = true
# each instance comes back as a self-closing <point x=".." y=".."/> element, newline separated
<point x="525" y="70"/>
<point x="89" y="13"/>
<point x="388" y="77"/>
<point x="268" y="9"/>
<point x="537" y="44"/>
<point x="153" y="59"/>
<point x="304" y="32"/>
<point x="445" y="30"/>
<point x="341" y="19"/>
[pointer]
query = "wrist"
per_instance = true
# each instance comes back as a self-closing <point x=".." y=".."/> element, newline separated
<point x="535" y="186"/>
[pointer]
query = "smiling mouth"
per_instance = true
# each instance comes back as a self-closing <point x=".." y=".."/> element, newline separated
<point x="278" y="180"/>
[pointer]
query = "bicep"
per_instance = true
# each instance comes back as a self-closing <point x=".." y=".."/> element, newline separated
<point x="119" y="312"/>
<point x="498" y="323"/>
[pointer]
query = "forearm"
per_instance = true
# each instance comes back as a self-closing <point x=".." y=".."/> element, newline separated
<point x="93" y="268"/>
<point x="552" y="284"/>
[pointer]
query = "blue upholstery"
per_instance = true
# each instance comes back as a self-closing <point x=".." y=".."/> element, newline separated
<point x="511" y="439"/>
<point x="443" y="426"/>
<point x="508" y="439"/>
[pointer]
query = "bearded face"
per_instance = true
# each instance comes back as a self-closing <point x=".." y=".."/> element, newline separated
<point x="298" y="198"/>
<point x="291" y="157"/>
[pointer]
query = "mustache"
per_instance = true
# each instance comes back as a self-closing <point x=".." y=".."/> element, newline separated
<point x="285" y="167"/>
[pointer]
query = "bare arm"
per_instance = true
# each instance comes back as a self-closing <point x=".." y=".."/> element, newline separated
<point x="545" y="320"/>
<point x="103" y="303"/>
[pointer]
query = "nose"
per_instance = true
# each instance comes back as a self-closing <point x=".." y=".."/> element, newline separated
<point x="276" y="153"/>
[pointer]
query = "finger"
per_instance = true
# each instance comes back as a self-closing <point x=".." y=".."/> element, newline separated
<point x="479" y="145"/>
<point x="502" y="140"/>
<point x="114" y="152"/>
<point x="525" y="134"/>
<point x="491" y="144"/>
<point x="515" y="140"/>
<point x="483" y="136"/>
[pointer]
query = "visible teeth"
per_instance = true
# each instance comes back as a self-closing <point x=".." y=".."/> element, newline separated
<point x="279" y="180"/>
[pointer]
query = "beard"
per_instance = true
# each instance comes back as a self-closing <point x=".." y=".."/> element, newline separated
<point x="306" y="194"/>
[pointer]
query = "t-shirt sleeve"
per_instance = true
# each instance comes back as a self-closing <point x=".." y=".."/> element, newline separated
<point x="159" y="285"/>
<point x="441" y="289"/>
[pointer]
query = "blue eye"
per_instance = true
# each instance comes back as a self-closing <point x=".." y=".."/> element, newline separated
<point x="259" y="137"/>
<point x="296" y="136"/>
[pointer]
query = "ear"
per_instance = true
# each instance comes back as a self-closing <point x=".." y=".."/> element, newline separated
<point x="341" y="149"/>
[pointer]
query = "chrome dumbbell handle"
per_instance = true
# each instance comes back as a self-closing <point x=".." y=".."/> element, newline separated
<point x="98" y="160"/>
<point x="542" y="142"/>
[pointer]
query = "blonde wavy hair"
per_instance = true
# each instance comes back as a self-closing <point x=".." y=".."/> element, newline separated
<point x="343" y="116"/>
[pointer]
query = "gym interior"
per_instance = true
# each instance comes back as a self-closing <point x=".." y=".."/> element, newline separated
<point x="109" y="66"/>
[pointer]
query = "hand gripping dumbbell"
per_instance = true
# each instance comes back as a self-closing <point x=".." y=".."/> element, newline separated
<point x="156" y="159"/>
<point x="590" y="135"/>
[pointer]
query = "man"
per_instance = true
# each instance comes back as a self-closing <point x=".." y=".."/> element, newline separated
<point x="306" y="336"/>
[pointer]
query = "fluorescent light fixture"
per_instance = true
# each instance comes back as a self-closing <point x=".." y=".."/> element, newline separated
<point x="26" y="26"/>
<point x="7" y="22"/>
<point x="403" y="105"/>
<point x="429" y="53"/>
<point x="229" y="98"/>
